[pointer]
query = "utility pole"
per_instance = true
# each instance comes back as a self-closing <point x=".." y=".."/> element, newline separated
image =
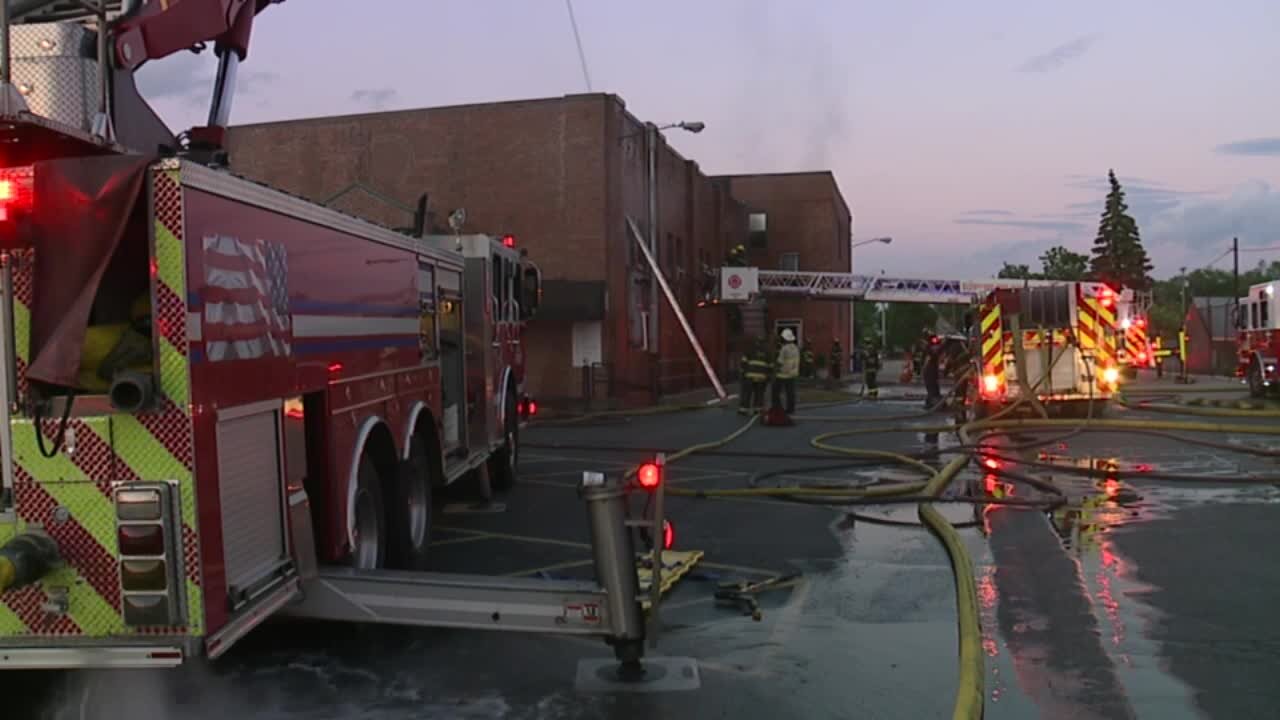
<point x="651" y="145"/>
<point x="1235" y="280"/>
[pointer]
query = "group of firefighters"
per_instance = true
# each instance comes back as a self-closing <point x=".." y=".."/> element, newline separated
<point x="760" y="367"/>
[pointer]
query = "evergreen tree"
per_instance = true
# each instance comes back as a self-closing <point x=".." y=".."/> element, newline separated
<point x="1118" y="256"/>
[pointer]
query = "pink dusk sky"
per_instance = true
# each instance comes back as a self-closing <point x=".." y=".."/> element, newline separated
<point x="972" y="133"/>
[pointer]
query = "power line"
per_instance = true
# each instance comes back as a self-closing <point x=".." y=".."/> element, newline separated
<point x="1273" y="248"/>
<point x="577" y="39"/>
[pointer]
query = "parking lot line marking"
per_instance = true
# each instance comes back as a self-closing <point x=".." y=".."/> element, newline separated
<point x="509" y="536"/>
<point x="549" y="568"/>
<point x="739" y="568"/>
<point x="455" y="541"/>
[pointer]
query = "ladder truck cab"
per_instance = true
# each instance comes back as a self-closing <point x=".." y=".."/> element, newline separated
<point x="1064" y="335"/>
<point x="502" y="291"/>
<point x="220" y="402"/>
<point x="1258" y="341"/>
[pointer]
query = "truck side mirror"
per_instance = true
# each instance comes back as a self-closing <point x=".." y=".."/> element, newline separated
<point x="532" y="291"/>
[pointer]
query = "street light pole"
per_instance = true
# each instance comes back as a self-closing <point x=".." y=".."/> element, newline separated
<point x="652" y="133"/>
<point x="853" y="327"/>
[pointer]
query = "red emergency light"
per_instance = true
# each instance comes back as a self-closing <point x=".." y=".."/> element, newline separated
<point x="668" y="534"/>
<point x="17" y="198"/>
<point x="17" y="191"/>
<point x="990" y="385"/>
<point x="509" y="241"/>
<point x="649" y="476"/>
<point x="1142" y="322"/>
<point x="1142" y="357"/>
<point x="1107" y="296"/>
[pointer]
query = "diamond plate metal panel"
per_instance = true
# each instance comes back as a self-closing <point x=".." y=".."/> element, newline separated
<point x="54" y="66"/>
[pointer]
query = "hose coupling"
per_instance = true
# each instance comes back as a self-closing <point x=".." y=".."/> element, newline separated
<point x="25" y="559"/>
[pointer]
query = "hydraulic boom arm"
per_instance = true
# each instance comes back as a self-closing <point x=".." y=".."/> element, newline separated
<point x="163" y="27"/>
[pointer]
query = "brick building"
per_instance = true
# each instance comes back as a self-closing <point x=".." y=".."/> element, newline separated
<point x="562" y="175"/>
<point x="799" y="221"/>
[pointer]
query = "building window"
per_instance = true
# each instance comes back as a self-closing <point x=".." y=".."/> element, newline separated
<point x="758" y="229"/>
<point x="789" y="261"/>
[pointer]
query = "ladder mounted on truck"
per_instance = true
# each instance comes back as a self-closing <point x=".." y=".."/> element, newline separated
<point x="741" y="284"/>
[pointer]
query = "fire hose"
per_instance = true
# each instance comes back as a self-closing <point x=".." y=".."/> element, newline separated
<point x="928" y="492"/>
<point x="25" y="559"/>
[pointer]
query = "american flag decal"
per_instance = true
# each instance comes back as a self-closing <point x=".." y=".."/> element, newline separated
<point x="246" y="303"/>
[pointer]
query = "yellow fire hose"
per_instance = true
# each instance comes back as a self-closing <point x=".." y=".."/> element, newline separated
<point x="970" y="689"/>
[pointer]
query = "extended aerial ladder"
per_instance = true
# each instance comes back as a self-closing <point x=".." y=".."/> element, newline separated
<point x="742" y="284"/>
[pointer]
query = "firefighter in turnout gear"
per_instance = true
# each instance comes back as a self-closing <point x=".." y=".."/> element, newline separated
<point x="737" y="257"/>
<point x="836" y="359"/>
<point x="788" y="369"/>
<point x="932" y="371"/>
<point x="871" y="366"/>
<point x="755" y="375"/>
<point x="806" y="360"/>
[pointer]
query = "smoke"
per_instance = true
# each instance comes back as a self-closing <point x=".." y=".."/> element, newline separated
<point x="791" y="110"/>
<point x="830" y="122"/>
<point x="192" y="692"/>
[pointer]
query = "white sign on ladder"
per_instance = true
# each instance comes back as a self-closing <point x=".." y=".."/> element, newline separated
<point x="738" y="284"/>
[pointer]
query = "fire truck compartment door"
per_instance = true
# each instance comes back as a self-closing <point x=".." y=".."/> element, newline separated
<point x="251" y="490"/>
<point x="81" y="244"/>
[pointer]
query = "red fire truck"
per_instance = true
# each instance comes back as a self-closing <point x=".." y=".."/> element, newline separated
<point x="1259" y="338"/>
<point x="220" y="402"/>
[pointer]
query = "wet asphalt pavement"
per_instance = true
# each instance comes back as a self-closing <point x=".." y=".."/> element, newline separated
<point x="1143" y="599"/>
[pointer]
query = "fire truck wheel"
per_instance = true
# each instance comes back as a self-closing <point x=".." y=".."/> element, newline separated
<point x="506" y="460"/>
<point x="370" y="549"/>
<point x="411" y="513"/>
<point x="1256" y="388"/>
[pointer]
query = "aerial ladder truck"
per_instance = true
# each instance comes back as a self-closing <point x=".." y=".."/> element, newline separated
<point x="298" y="383"/>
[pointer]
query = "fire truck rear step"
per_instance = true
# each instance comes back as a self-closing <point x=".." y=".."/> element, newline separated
<point x="459" y="468"/>
<point x="455" y="600"/>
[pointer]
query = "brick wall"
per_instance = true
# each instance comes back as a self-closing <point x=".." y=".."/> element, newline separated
<point x="806" y="215"/>
<point x="561" y="174"/>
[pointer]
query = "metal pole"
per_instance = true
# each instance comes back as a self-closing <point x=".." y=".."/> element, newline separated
<point x="4" y="43"/>
<point x="1235" y="279"/>
<point x="615" y="564"/>
<point x="651" y="146"/>
<point x="658" y="534"/>
<point x="675" y="308"/>
<point x="7" y="355"/>
<point x="224" y="88"/>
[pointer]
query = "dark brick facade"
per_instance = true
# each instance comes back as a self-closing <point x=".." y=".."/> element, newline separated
<point x="805" y="214"/>
<point x="562" y="175"/>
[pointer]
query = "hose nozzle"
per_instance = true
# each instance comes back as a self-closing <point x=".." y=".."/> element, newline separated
<point x="25" y="559"/>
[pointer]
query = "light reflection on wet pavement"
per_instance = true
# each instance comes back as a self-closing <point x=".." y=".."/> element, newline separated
<point x="1139" y="599"/>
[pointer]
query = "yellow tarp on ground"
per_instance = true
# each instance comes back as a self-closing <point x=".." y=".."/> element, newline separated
<point x="675" y="565"/>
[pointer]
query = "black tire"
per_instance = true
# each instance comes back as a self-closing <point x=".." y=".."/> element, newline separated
<point x="1256" y="388"/>
<point x="411" y="512"/>
<point x="504" y="467"/>
<point x="369" y="552"/>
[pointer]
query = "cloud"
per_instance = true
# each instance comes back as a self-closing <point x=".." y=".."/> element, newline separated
<point x="374" y="98"/>
<point x="1059" y="56"/>
<point x="188" y="78"/>
<point x="1258" y="147"/>
<point x="1050" y="225"/>
<point x="987" y="212"/>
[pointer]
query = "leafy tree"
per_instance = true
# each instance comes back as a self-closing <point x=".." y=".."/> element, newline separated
<point x="1016" y="272"/>
<point x="1118" y="256"/>
<point x="1060" y="263"/>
